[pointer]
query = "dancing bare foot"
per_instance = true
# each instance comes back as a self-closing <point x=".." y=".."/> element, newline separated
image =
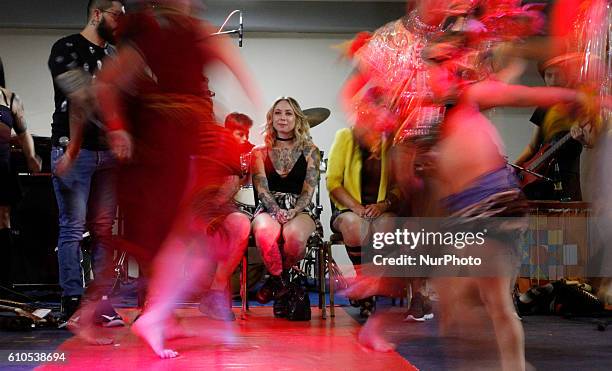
<point x="370" y="335"/>
<point x="374" y="341"/>
<point x="151" y="331"/>
<point x="90" y="337"/>
<point x="82" y="326"/>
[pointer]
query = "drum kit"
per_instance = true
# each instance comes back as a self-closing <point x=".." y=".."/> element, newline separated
<point x="245" y="197"/>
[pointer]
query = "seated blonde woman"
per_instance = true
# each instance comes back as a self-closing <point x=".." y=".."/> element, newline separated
<point x="285" y="174"/>
<point x="358" y="184"/>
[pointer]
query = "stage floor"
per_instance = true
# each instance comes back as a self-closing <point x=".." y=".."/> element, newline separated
<point x="260" y="342"/>
<point x="264" y="343"/>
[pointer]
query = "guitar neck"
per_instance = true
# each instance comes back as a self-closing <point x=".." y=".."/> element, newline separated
<point x="549" y="152"/>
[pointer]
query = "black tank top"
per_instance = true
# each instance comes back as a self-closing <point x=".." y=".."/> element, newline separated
<point x="292" y="183"/>
<point x="370" y="177"/>
<point x="6" y="112"/>
<point x="6" y="118"/>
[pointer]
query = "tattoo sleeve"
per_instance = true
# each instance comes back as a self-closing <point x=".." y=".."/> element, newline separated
<point x="260" y="182"/>
<point x="18" y="112"/>
<point x="27" y="144"/>
<point x="311" y="180"/>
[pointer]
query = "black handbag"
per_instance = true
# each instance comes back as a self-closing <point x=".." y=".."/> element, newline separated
<point x="298" y="303"/>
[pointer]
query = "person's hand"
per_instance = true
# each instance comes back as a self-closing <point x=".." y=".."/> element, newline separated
<point x="375" y="210"/>
<point x="280" y="216"/>
<point x="290" y="214"/>
<point x="64" y="164"/>
<point x="34" y="164"/>
<point x="582" y="133"/>
<point x="577" y="132"/>
<point x="359" y="210"/>
<point x="121" y="144"/>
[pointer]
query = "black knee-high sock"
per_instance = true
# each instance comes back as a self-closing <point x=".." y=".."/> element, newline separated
<point x="6" y="250"/>
<point x="354" y="253"/>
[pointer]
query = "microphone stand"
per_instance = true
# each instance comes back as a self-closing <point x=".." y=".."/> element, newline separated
<point x="239" y="30"/>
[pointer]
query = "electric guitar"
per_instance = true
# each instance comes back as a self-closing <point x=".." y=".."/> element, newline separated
<point x="541" y="161"/>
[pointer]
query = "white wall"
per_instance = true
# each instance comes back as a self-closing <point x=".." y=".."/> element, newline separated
<point x="304" y="66"/>
<point x="24" y="54"/>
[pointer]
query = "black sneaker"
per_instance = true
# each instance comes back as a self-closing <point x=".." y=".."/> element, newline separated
<point x="366" y="307"/>
<point x="106" y="315"/>
<point x="420" y="309"/>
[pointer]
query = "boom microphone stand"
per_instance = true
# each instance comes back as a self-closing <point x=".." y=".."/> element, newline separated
<point x="239" y="30"/>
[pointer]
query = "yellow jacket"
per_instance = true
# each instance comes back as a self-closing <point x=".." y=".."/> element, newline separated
<point x="344" y="168"/>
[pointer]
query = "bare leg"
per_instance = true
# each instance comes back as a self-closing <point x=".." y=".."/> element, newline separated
<point x="508" y="331"/>
<point x="370" y="336"/>
<point x="81" y="324"/>
<point x="238" y="227"/>
<point x="267" y="232"/>
<point x="216" y="302"/>
<point x="351" y="226"/>
<point x="168" y="285"/>
<point x="296" y="233"/>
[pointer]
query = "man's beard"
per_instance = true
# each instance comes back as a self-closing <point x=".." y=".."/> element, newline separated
<point x="105" y="32"/>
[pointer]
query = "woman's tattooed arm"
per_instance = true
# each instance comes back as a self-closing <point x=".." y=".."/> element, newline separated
<point x="260" y="181"/>
<point x="313" y="158"/>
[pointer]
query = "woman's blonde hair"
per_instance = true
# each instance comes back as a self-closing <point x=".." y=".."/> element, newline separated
<point x="301" y="130"/>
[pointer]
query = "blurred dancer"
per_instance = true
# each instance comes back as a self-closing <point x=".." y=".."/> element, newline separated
<point x="469" y="177"/>
<point x="84" y="171"/>
<point x="169" y="130"/>
<point x="390" y="61"/>
<point x="479" y="185"/>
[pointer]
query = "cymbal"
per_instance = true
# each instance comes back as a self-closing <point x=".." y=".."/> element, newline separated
<point x="316" y="115"/>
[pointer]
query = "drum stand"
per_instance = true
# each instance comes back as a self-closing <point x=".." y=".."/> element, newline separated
<point x="121" y="274"/>
<point x="319" y="259"/>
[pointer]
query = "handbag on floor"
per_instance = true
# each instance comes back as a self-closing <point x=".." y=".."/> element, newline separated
<point x="298" y="303"/>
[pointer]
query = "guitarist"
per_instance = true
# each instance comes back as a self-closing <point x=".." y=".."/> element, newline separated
<point x="563" y="164"/>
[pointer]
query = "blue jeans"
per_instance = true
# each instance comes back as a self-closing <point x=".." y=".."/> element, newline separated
<point x="86" y="200"/>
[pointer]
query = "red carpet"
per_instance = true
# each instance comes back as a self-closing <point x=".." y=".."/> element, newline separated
<point x="259" y="343"/>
